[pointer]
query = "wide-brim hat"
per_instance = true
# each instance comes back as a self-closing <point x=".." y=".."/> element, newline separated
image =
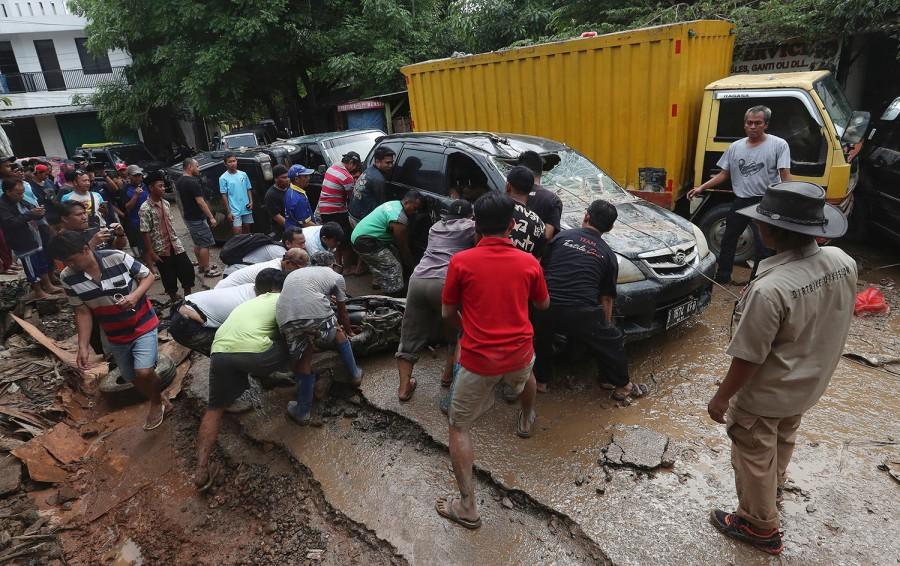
<point x="799" y="207"/>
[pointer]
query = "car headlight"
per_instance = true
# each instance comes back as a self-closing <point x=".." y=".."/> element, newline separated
<point x="702" y="245"/>
<point x="628" y="271"/>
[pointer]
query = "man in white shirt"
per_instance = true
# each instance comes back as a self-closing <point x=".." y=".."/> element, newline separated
<point x="292" y="259"/>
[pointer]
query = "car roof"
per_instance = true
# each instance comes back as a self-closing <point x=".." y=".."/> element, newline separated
<point x="105" y="145"/>
<point x="325" y="136"/>
<point x="496" y="144"/>
<point x="207" y="157"/>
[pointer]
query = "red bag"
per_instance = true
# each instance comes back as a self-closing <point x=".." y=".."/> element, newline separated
<point x="870" y="301"/>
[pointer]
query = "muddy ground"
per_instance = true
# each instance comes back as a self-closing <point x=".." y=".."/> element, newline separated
<point x="361" y="487"/>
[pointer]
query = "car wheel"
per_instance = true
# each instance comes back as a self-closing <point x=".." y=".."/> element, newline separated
<point x="713" y="226"/>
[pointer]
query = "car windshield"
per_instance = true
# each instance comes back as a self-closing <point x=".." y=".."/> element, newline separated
<point x="573" y="177"/>
<point x="360" y="143"/>
<point x="240" y="140"/>
<point x="132" y="154"/>
<point x="835" y="102"/>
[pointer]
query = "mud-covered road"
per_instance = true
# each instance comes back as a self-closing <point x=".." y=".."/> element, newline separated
<point x="361" y="488"/>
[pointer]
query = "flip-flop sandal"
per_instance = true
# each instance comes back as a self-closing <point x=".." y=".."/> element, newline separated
<point x="451" y="515"/>
<point x="637" y="390"/>
<point x="213" y="271"/>
<point x="409" y="391"/>
<point x="523" y="432"/>
<point x="162" y="417"/>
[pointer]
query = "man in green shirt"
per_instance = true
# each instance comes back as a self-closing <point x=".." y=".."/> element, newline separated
<point x="247" y="342"/>
<point x="381" y="230"/>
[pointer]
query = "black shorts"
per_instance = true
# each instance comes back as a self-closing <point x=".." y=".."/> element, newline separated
<point x="343" y="219"/>
<point x="191" y="334"/>
<point x="229" y="372"/>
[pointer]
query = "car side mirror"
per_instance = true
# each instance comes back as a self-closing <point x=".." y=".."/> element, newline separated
<point x="856" y="129"/>
<point x="321" y="169"/>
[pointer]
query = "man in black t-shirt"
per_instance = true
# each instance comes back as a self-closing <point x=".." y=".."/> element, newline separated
<point x="581" y="272"/>
<point x="274" y="199"/>
<point x="546" y="204"/>
<point x="528" y="232"/>
<point x="197" y="216"/>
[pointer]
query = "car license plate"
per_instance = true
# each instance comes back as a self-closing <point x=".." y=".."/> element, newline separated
<point x="680" y="313"/>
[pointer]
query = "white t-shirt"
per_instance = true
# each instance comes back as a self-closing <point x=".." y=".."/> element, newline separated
<point x="753" y="169"/>
<point x="313" y="241"/>
<point x="217" y="304"/>
<point x="247" y="274"/>
<point x="264" y="253"/>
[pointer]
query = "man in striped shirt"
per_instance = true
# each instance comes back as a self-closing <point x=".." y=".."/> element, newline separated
<point x="337" y="190"/>
<point x="111" y="287"/>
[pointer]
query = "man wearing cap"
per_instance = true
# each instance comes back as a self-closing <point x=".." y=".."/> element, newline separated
<point x="297" y="210"/>
<point x="790" y="327"/>
<point x="42" y="182"/>
<point x="337" y="190"/>
<point x="237" y="195"/>
<point x="751" y="164"/>
<point x="136" y="194"/>
<point x="454" y="233"/>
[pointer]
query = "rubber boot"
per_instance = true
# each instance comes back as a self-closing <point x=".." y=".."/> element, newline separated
<point x="346" y="352"/>
<point x="300" y="409"/>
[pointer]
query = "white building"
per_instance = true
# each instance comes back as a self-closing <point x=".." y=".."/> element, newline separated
<point x="43" y="64"/>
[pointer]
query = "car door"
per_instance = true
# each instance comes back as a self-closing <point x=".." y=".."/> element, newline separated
<point x="315" y="160"/>
<point x="421" y="167"/>
<point x="882" y="168"/>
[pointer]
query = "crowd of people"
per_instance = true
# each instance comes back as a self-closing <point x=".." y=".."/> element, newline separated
<point x="498" y="282"/>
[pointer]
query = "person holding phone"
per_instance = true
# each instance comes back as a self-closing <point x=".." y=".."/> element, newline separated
<point x="111" y="287"/>
<point x="19" y="221"/>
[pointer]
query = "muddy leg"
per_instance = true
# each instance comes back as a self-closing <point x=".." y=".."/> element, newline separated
<point x="147" y="383"/>
<point x="462" y="454"/>
<point x="206" y="436"/>
<point x="528" y="394"/>
<point x="404" y="368"/>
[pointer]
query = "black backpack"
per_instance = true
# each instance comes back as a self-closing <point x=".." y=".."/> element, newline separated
<point x="238" y="246"/>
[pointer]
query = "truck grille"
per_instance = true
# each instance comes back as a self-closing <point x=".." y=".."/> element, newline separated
<point x="668" y="265"/>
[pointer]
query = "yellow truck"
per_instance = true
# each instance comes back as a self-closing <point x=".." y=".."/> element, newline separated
<point x="654" y="108"/>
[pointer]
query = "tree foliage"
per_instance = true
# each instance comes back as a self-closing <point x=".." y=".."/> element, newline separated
<point x="232" y="59"/>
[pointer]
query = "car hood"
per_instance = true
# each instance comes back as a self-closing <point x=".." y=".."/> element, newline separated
<point x="640" y="227"/>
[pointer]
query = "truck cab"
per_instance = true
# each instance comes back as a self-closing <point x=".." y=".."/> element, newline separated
<point x="809" y="111"/>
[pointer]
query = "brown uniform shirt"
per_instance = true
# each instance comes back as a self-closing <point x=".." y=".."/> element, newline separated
<point x="793" y="319"/>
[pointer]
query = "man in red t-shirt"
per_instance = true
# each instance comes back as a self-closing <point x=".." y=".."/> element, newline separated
<point x="487" y="290"/>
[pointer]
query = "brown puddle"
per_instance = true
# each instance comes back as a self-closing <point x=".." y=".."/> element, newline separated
<point x="847" y="511"/>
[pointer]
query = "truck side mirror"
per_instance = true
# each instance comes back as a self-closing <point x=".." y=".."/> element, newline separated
<point x="321" y="169"/>
<point x="856" y="129"/>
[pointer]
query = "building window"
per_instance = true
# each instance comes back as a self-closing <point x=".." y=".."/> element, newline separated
<point x="91" y="64"/>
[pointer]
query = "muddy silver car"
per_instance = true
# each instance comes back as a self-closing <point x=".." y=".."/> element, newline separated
<point x="662" y="257"/>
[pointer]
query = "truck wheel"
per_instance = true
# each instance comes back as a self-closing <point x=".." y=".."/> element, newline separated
<point x="713" y="226"/>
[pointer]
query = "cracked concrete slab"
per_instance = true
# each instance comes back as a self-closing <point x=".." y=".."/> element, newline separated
<point x="638" y="447"/>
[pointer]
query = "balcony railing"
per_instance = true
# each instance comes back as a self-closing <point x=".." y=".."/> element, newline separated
<point x="42" y="81"/>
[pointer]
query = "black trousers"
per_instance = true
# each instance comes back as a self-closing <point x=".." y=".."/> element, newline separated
<point x="735" y="224"/>
<point x="175" y="268"/>
<point x="586" y="325"/>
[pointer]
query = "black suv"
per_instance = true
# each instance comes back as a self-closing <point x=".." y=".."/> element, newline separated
<point x="320" y="151"/>
<point x="256" y="164"/>
<point x="112" y="153"/>
<point x="877" y="198"/>
<point x="661" y="255"/>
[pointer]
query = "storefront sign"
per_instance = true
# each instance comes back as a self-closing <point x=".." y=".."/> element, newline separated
<point x="360" y="105"/>
<point x="793" y="55"/>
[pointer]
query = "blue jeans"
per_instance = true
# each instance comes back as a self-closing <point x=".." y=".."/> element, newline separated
<point x="141" y="353"/>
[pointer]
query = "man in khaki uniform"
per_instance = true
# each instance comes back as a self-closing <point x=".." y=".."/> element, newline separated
<point x="791" y="324"/>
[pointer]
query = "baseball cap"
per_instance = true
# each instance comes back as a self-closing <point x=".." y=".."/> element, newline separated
<point x="459" y="209"/>
<point x="297" y="170"/>
<point x="41" y="168"/>
<point x="134" y="170"/>
<point x="350" y="156"/>
<point x="121" y="166"/>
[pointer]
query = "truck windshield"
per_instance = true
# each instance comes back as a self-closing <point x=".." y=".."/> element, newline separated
<point x="573" y="178"/>
<point x="835" y="103"/>
<point x="240" y="140"/>
<point x="360" y="143"/>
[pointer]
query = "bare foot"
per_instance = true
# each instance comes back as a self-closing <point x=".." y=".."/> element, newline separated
<point x="53" y="290"/>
